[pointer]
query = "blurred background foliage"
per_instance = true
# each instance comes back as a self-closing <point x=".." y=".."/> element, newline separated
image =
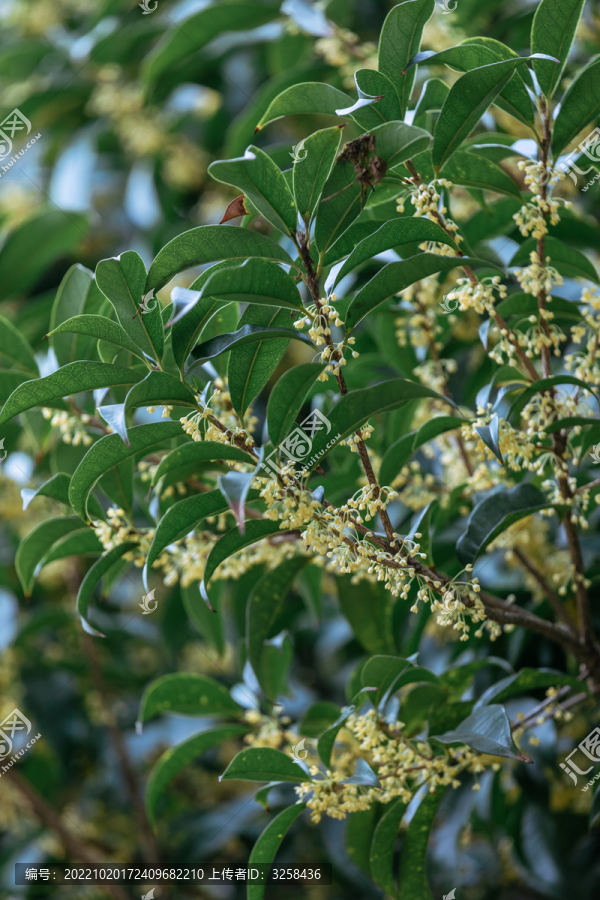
<point x="132" y="108"/>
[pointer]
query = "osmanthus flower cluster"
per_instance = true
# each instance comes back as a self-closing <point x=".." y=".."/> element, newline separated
<point x="275" y="464"/>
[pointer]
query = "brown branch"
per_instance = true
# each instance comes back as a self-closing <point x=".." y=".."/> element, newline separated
<point x="557" y="604"/>
<point x="72" y="845"/>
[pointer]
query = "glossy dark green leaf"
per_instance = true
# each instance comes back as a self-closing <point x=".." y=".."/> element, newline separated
<point x="122" y="279"/>
<point x="396" y="141"/>
<point x="356" y="407"/>
<point x="234" y="540"/>
<point x="346" y="243"/>
<point x="381" y="857"/>
<point x="30" y="249"/>
<point x="494" y="515"/>
<point x="287" y="398"/>
<point x="268" y="844"/>
<point x="187" y="694"/>
<point x="430" y="102"/>
<point x="490" y="435"/>
<point x="310" y="97"/>
<point x="209" y="624"/>
<point x="313" y="167"/>
<point x="35" y="545"/>
<point x="487" y="730"/>
<point x="57" y="488"/>
<point x="553" y="30"/>
<point x="412" y="877"/>
<point x="207" y="244"/>
<point x="14" y="345"/>
<point x="395" y="277"/>
<point x="251" y="365"/>
<point x="263" y="182"/>
<point x="360" y="828"/>
<point x="327" y="739"/>
<point x="264" y="764"/>
<point x="570" y="262"/>
<point x="95" y="573"/>
<point x="198" y="452"/>
<point x="82" y="542"/>
<point x="109" y="451"/>
<point x="318" y="718"/>
<point x="339" y="206"/>
<point x="247" y="334"/>
<point x="470" y="170"/>
<point x="579" y="107"/>
<point x="191" y="35"/>
<point x="524" y="681"/>
<point x="370" y="83"/>
<point x="393" y="234"/>
<point x="99" y="327"/>
<point x="181" y="518"/>
<point x="400" y="39"/>
<point x="77" y="294"/>
<point x="71" y="379"/>
<point x="368" y="608"/>
<point x="265" y="605"/>
<point x="381" y="672"/>
<point x="181" y="755"/>
<point x="466" y="102"/>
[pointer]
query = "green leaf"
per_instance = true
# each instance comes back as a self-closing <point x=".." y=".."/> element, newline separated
<point x="95" y="573"/>
<point x="264" y="764"/>
<point x="525" y="305"/>
<point x="257" y="281"/>
<point x="16" y="347"/>
<point x="396" y="276"/>
<point x="476" y="52"/>
<point x="486" y="730"/>
<point x="109" y="451"/>
<point x="412" y="877"/>
<point x="432" y="98"/>
<point x="339" y="206"/>
<point x="181" y="755"/>
<point x="397" y="456"/>
<point x="122" y="279"/>
<point x="569" y="262"/>
<point x="247" y="334"/>
<point x="265" y="604"/>
<point x="399" y="41"/>
<point x="580" y="106"/>
<point x="207" y="244"/>
<point x="471" y="170"/>
<point x="77" y="293"/>
<point x="181" y="518"/>
<point x="98" y="327"/>
<point x="208" y="624"/>
<point x="393" y="234"/>
<point x="288" y="397"/>
<point x="541" y="385"/>
<point x="33" y="246"/>
<point x="359" y="831"/>
<point x="370" y="83"/>
<point x="263" y="182"/>
<point x="397" y="142"/>
<point x="186" y="694"/>
<point x="307" y="98"/>
<point x="553" y="30"/>
<point x="349" y="240"/>
<point x="79" y="543"/>
<point x="327" y="739"/>
<point x="356" y="407"/>
<point x="595" y="810"/>
<point x="57" y="488"/>
<point x="34" y="547"/>
<point x="269" y="843"/>
<point x="188" y="37"/>
<point x="10" y="379"/>
<point x="466" y="102"/>
<point x="524" y="681"/>
<point x="71" y="379"/>
<point x="234" y="540"/>
<point x="313" y="168"/>
<point x="368" y="608"/>
<point x="381" y="672"/>
<point x="318" y="718"/>
<point x="381" y="858"/>
<point x="235" y="487"/>
<point x="198" y="452"/>
<point x="157" y="388"/>
<point x="494" y="515"/>
<point x="251" y="366"/>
